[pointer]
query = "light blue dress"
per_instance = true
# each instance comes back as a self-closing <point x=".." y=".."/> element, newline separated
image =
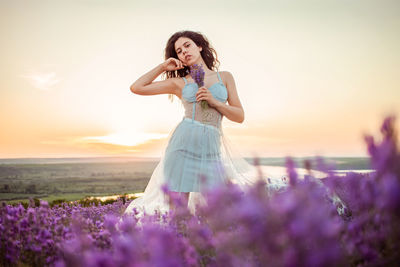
<point x="193" y="160"/>
<point x="198" y="156"/>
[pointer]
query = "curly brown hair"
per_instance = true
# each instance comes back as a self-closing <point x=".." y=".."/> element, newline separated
<point x="207" y="53"/>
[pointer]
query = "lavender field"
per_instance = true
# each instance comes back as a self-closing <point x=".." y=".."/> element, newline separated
<point x="299" y="226"/>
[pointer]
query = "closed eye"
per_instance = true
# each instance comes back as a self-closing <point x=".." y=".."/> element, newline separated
<point x="185" y="46"/>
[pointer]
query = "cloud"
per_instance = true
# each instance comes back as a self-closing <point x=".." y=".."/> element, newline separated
<point x="114" y="144"/>
<point x="150" y="147"/>
<point x="43" y="81"/>
<point x="129" y="139"/>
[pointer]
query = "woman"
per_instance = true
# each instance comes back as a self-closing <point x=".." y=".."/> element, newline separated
<point x="198" y="156"/>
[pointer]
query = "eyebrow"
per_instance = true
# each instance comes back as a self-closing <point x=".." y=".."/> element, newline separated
<point x="183" y="44"/>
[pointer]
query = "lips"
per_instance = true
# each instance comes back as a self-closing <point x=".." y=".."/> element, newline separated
<point x="187" y="57"/>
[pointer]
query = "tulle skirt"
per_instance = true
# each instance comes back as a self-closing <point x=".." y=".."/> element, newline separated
<point x="198" y="157"/>
<point x="193" y="161"/>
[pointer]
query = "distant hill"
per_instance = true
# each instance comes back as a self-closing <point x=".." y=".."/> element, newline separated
<point x="74" y="160"/>
<point x="340" y="163"/>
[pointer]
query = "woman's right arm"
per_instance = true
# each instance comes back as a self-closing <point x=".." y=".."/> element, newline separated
<point x="145" y="85"/>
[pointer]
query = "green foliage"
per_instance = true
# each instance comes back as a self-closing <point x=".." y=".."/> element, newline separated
<point x="57" y="202"/>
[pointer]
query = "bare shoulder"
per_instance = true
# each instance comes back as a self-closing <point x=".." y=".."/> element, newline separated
<point x="229" y="81"/>
<point x="176" y="84"/>
<point x="179" y="84"/>
<point x="225" y="73"/>
<point x="227" y="78"/>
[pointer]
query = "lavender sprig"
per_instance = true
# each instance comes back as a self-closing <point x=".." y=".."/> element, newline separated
<point x="197" y="73"/>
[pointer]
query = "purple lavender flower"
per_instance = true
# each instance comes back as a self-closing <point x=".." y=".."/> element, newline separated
<point x="197" y="73"/>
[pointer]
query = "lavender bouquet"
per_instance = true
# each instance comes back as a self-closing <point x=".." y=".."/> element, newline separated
<point x="197" y="73"/>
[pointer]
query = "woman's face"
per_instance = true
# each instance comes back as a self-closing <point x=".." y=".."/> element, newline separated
<point x="187" y="50"/>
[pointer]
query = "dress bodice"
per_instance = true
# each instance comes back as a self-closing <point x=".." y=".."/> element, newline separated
<point x="193" y="109"/>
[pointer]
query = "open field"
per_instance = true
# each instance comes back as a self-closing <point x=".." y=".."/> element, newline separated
<point x="72" y="181"/>
<point x="53" y="179"/>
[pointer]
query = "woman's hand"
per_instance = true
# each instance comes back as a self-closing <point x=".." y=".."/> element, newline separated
<point x="172" y="64"/>
<point x="204" y="94"/>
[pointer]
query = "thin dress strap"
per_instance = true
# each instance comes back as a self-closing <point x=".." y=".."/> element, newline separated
<point x="219" y="77"/>
<point x="184" y="80"/>
<point x="220" y="115"/>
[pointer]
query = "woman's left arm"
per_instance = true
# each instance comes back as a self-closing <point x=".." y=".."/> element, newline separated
<point x="233" y="111"/>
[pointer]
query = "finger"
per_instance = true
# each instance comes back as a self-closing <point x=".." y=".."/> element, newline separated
<point x="201" y="97"/>
<point x="202" y="93"/>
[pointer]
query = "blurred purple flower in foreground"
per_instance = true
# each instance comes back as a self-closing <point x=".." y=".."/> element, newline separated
<point x="335" y="221"/>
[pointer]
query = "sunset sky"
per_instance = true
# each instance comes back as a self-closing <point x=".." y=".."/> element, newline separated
<point x="312" y="76"/>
